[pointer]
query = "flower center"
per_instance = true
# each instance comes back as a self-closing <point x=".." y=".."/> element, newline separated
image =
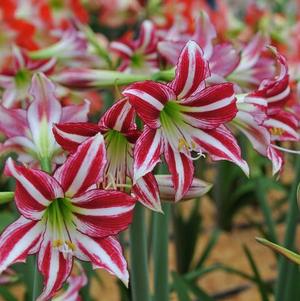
<point x="176" y="130"/>
<point x="59" y="218"/>
<point x="119" y="154"/>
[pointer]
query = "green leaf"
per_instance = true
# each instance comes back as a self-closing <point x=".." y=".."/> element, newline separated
<point x="181" y="287"/>
<point x="261" y="285"/>
<point x="292" y="256"/>
<point x="209" y="247"/>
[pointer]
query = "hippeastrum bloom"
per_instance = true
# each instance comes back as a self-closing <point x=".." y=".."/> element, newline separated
<point x="15" y="79"/>
<point x="141" y="54"/>
<point x="184" y="118"/>
<point x="65" y="216"/>
<point x="120" y="134"/>
<point x="262" y="118"/>
<point x="29" y="132"/>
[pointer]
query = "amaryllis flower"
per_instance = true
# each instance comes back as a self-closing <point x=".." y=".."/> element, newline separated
<point x="262" y="118"/>
<point x="15" y="79"/>
<point x="184" y="118"/>
<point x="222" y="57"/>
<point x="167" y="191"/>
<point x="141" y="54"/>
<point x="255" y="65"/>
<point x="29" y="132"/>
<point x="63" y="216"/>
<point x="120" y="134"/>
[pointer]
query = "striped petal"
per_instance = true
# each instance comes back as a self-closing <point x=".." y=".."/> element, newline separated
<point x="54" y="265"/>
<point x="225" y="58"/>
<point x="211" y="107"/>
<point x="83" y="168"/>
<point x="148" y="99"/>
<point x="147" y="152"/>
<point x="182" y="170"/>
<point x="75" y="113"/>
<point x="191" y="71"/>
<point x="42" y="113"/>
<point x="34" y="189"/>
<point x="205" y="33"/>
<point x="167" y="191"/>
<point x="101" y="213"/>
<point x="276" y="158"/>
<point x="104" y="253"/>
<point x="147" y="38"/>
<point x="124" y="50"/>
<point x="18" y="240"/>
<point x="13" y="122"/>
<point x="70" y="135"/>
<point x="220" y="144"/>
<point x="146" y="191"/>
<point x="283" y="126"/>
<point x="119" y="117"/>
<point x="277" y="90"/>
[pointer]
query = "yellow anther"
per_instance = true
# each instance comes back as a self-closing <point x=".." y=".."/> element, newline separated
<point x="182" y="144"/>
<point x="71" y="245"/>
<point x="276" y="131"/>
<point x="57" y="243"/>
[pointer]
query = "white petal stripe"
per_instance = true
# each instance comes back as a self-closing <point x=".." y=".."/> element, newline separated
<point x="27" y="185"/>
<point x="111" y="211"/>
<point x="146" y="97"/>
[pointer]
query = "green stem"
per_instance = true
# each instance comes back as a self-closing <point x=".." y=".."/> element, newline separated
<point x="160" y="253"/>
<point x="267" y="212"/>
<point x="45" y="164"/>
<point x="138" y="252"/>
<point x="6" y="196"/>
<point x="290" y="234"/>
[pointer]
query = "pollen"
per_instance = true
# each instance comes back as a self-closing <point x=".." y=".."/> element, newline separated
<point x="182" y="144"/>
<point x="276" y="131"/>
<point x="57" y="243"/>
<point x="71" y="245"/>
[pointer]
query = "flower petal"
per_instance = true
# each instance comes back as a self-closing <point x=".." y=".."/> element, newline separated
<point x="13" y="122"/>
<point x="42" y="113"/>
<point x="70" y="135"/>
<point x="122" y="49"/>
<point x="119" y="117"/>
<point x="210" y="107"/>
<point x="276" y="158"/>
<point x="167" y="191"/>
<point x="35" y="189"/>
<point x="148" y="99"/>
<point x="146" y="192"/>
<point x="147" y="152"/>
<point x="54" y="265"/>
<point x="102" y="213"/>
<point x="104" y="253"/>
<point x="83" y="168"/>
<point x="224" y="59"/>
<point x="75" y="113"/>
<point x="182" y="170"/>
<point x="17" y="240"/>
<point x="191" y="71"/>
<point x="283" y="126"/>
<point x="147" y="38"/>
<point x="221" y="145"/>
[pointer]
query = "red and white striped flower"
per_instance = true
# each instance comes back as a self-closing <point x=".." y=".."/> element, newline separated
<point x="141" y="54"/>
<point x="29" y="132"/>
<point x="64" y="216"/>
<point x="120" y="134"/>
<point x="182" y="118"/>
<point x="15" y="80"/>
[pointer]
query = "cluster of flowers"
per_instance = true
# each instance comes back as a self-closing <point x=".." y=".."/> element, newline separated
<point x="80" y="181"/>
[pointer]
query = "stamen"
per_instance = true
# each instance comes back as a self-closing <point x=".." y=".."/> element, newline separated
<point x="276" y="131"/>
<point x="286" y="150"/>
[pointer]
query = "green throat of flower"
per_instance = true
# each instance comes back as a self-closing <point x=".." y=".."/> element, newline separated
<point x="59" y="219"/>
<point x="118" y="148"/>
